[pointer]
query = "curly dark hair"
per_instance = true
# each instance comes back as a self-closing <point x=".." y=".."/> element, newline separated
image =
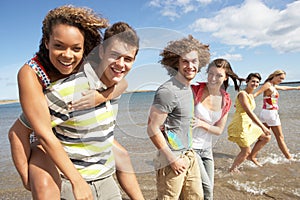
<point x="175" y="49"/>
<point x="85" y="19"/>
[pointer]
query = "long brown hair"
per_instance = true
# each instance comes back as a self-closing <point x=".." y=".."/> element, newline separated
<point x="223" y="63"/>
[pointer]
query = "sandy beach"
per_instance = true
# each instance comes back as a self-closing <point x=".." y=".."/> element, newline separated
<point x="8" y="101"/>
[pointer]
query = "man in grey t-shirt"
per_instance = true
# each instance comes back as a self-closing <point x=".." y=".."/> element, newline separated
<point x="169" y="121"/>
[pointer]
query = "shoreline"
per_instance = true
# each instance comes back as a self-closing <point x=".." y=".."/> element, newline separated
<point x="9" y="101"/>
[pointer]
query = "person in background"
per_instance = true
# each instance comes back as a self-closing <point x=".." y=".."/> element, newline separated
<point x="69" y="34"/>
<point x="245" y="127"/>
<point x="177" y="169"/>
<point x="212" y="104"/>
<point x="269" y="114"/>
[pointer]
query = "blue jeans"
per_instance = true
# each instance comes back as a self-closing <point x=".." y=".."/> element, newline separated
<point x="206" y="165"/>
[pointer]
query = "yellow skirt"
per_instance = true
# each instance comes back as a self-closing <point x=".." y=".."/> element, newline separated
<point x="246" y="136"/>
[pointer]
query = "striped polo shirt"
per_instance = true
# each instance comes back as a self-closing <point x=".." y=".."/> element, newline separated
<point x="86" y="135"/>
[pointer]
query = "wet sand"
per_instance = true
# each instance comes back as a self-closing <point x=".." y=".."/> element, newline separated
<point x="272" y="181"/>
<point x="147" y="183"/>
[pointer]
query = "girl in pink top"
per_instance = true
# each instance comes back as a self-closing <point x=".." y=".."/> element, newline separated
<point x="212" y="104"/>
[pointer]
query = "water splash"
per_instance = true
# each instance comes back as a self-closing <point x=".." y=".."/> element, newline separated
<point x="278" y="159"/>
<point x="297" y="192"/>
<point x="252" y="187"/>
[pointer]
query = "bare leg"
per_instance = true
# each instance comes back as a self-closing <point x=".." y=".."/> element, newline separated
<point x="254" y="160"/>
<point x="241" y="157"/>
<point x="32" y="164"/>
<point x="44" y="177"/>
<point x="125" y="173"/>
<point x="20" y="150"/>
<point x="277" y="130"/>
<point x="262" y="141"/>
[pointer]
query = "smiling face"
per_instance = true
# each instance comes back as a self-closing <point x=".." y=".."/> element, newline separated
<point x="188" y="66"/>
<point x="278" y="79"/>
<point x="66" y="47"/>
<point x="253" y="83"/>
<point x="215" y="77"/>
<point x="116" y="60"/>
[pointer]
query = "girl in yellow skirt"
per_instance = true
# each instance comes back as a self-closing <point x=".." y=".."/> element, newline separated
<point x="245" y="127"/>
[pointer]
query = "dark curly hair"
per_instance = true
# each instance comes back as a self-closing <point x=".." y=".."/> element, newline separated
<point x="85" y="19"/>
<point x="175" y="49"/>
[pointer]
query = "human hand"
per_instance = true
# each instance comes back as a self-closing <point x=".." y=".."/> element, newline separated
<point x="196" y="122"/>
<point x="26" y="183"/>
<point x="266" y="130"/>
<point x="162" y="128"/>
<point x="179" y="166"/>
<point x="88" y="100"/>
<point x="82" y="191"/>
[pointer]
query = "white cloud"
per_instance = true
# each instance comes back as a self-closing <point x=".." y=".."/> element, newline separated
<point x="232" y="57"/>
<point x="253" y="23"/>
<point x="155" y="3"/>
<point x="176" y="8"/>
<point x="204" y="2"/>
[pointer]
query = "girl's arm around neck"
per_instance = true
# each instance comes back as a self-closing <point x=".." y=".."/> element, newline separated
<point x="92" y="98"/>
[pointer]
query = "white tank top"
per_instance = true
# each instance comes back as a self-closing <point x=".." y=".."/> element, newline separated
<point x="202" y="139"/>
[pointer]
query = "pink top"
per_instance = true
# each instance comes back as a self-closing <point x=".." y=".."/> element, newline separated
<point x="271" y="102"/>
<point x="198" y="91"/>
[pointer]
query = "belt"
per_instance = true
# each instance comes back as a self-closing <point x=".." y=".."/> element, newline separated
<point x="91" y="181"/>
<point x="96" y="180"/>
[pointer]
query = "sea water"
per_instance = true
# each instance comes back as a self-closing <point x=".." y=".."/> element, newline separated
<point x="277" y="179"/>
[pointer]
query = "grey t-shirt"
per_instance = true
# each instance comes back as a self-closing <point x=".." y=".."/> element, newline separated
<point x="176" y="99"/>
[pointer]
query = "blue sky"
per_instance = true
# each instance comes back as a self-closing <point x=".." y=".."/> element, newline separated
<point x="254" y="35"/>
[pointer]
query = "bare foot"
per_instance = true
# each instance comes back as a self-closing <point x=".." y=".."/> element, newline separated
<point x="254" y="160"/>
<point x="234" y="171"/>
<point x="289" y="157"/>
